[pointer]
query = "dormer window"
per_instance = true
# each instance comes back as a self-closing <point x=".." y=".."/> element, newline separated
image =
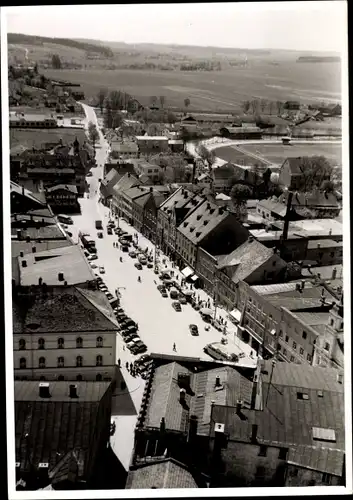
<point x="198" y="217"/>
<point x="205" y="222"/>
<point x="185" y="224"/>
<point x="192" y="228"/>
<point x="198" y="234"/>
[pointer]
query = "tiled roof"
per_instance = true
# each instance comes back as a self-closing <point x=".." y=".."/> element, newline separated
<point x="35" y="197"/>
<point x="177" y="199"/>
<point x="165" y="474"/>
<point x="324" y="244"/>
<point x="135" y="192"/>
<point x="310" y="318"/>
<point x="126" y="182"/>
<point x="49" y="232"/>
<point x="125" y="147"/>
<point x="66" y="310"/>
<point x="294" y="165"/>
<point x="278" y="287"/>
<point x="202" y="221"/>
<point x="276" y="207"/>
<point x="321" y="459"/>
<point x="164" y="399"/>
<point x="225" y="171"/>
<point x="151" y="138"/>
<point x="57" y="425"/>
<point x="46" y="264"/>
<point x="66" y="187"/>
<point x="22" y="246"/>
<point x="142" y="200"/>
<point x="49" y="170"/>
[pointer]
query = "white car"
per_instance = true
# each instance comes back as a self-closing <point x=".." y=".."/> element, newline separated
<point x="101" y="270"/>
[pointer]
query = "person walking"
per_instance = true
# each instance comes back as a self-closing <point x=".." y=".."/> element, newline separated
<point x="127" y="365"/>
<point x="119" y="362"/>
<point x="174" y="347"/>
<point x="131" y="367"/>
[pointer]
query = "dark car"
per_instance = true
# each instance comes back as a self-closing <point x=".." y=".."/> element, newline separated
<point x="109" y="230"/>
<point x="138" y="266"/>
<point x="160" y="288"/>
<point x="176" y="305"/>
<point x="100" y="234"/>
<point x="149" y="265"/>
<point x="164" y="293"/>
<point x="182" y="299"/>
<point x="125" y="248"/>
<point x="194" y="330"/>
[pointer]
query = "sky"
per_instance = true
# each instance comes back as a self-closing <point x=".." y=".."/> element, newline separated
<point x="315" y="26"/>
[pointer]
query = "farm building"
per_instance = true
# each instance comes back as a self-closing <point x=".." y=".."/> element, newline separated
<point x="22" y="120"/>
<point x="241" y="132"/>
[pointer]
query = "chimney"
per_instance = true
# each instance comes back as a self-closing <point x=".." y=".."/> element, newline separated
<point x="303" y="284"/>
<point x="73" y="391"/>
<point x="34" y="249"/>
<point x="61" y="276"/>
<point x="40" y="281"/>
<point x="298" y="287"/>
<point x="330" y="232"/>
<point x="192" y="428"/>
<point x="254" y="433"/>
<point x="334" y="273"/>
<point x="24" y="263"/>
<point x="239" y="406"/>
<point x="218" y="381"/>
<point x="28" y="239"/>
<point x="318" y="245"/>
<point x="44" y="391"/>
<point x="162" y="425"/>
<point x="19" y="234"/>
<point x="21" y="254"/>
<point x="340" y="378"/>
<point x="182" y="396"/>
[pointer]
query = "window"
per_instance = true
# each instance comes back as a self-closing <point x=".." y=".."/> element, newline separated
<point x="283" y="452"/>
<point x="79" y="361"/>
<point x="263" y="451"/>
<point x="99" y="342"/>
<point x="79" y="342"/>
<point x="61" y="377"/>
<point x="41" y="344"/>
<point x="294" y="345"/>
<point x="304" y="335"/>
<point x="302" y="396"/>
<point x="99" y="360"/>
<point x="280" y="333"/>
<point x="327" y="346"/>
<point x="331" y="322"/>
<point x="301" y="350"/>
<point x="61" y="362"/>
<point x="22" y="345"/>
<point x="23" y="363"/>
<point x="287" y="338"/>
<point x="326" y="478"/>
<point x="308" y="357"/>
<point x="98" y="377"/>
<point x="278" y="347"/>
<point x="41" y="363"/>
<point x="291" y="359"/>
<point x="79" y="377"/>
<point x="294" y="472"/>
<point x="61" y="343"/>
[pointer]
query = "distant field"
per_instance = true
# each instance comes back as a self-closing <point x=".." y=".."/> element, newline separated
<point x="217" y="90"/>
<point x="277" y="153"/>
<point x="231" y="154"/>
<point x="35" y="138"/>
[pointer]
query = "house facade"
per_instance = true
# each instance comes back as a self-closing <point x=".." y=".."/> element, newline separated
<point x="63" y="198"/>
<point x="152" y="144"/>
<point x="152" y="171"/>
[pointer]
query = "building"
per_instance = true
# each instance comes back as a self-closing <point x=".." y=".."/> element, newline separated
<point x="149" y="228"/>
<point x="107" y="184"/>
<point x="152" y="144"/>
<point x="130" y="209"/>
<point x="176" y="145"/>
<point x="209" y="226"/>
<point x="24" y="120"/>
<point x="150" y="170"/>
<point x="315" y="205"/>
<point x="63" y="333"/>
<point x="124" y="183"/>
<point x="61" y="431"/>
<point x="271" y="425"/>
<point x="63" y="198"/>
<point x="23" y="200"/>
<point x="242" y="133"/>
<point x="251" y="262"/>
<point x="296" y="321"/>
<point x="125" y="150"/>
<point x="324" y="252"/>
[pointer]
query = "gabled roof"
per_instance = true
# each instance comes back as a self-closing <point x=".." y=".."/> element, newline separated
<point x="135" y="192"/>
<point x="142" y="200"/>
<point x="294" y="165"/>
<point x="36" y="198"/>
<point x="202" y="221"/>
<point x="166" y="473"/>
<point x="125" y="147"/>
<point x="275" y="207"/>
<point x="126" y="182"/>
<point x="66" y="187"/>
<point x="246" y="259"/>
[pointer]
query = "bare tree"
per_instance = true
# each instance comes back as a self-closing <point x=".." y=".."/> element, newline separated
<point x="93" y="133"/>
<point x="101" y="96"/>
<point x="206" y="155"/>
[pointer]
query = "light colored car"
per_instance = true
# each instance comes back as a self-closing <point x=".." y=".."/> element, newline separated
<point x="132" y="254"/>
<point x="93" y="265"/>
<point x="101" y="270"/>
<point x="92" y="257"/>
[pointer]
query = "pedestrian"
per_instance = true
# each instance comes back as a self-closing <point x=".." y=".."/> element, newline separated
<point x="127" y="365"/>
<point x="131" y="367"/>
<point x="174" y="347"/>
<point x="123" y="348"/>
<point x="119" y="362"/>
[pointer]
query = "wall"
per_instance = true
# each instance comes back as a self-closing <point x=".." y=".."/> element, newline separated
<point x="269" y="272"/>
<point x="326" y="256"/>
<point x="228" y="235"/>
<point x="89" y="351"/>
<point x="298" y="476"/>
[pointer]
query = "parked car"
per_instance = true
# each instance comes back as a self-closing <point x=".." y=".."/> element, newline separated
<point x="132" y="254"/>
<point x="182" y="299"/>
<point x="150" y="258"/>
<point x="164" y="293"/>
<point x="176" y="306"/>
<point x="125" y="248"/>
<point x="69" y="233"/>
<point x="160" y="288"/>
<point x="156" y="271"/>
<point x="149" y="265"/>
<point x="138" y="266"/>
<point x="134" y="244"/>
<point x="174" y="293"/>
<point x="102" y="270"/>
<point x="142" y="259"/>
<point x="194" y="330"/>
<point x="100" y="234"/>
<point x="93" y="266"/>
<point x="92" y="257"/>
<point x="110" y="296"/>
<point x="109" y="230"/>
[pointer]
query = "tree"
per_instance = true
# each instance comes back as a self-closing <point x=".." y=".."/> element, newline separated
<point x="93" y="133"/>
<point x="162" y="101"/>
<point x="315" y="170"/>
<point x="239" y="194"/>
<point x="246" y="106"/>
<point x="187" y="102"/>
<point x="328" y="186"/>
<point x="56" y="61"/>
<point x="35" y="69"/>
<point x="101" y="96"/>
<point x="115" y="100"/>
<point x="206" y="155"/>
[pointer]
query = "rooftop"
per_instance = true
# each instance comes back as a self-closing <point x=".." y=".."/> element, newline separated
<point x="47" y="232"/>
<point x="167" y="473"/>
<point x="66" y="187"/>
<point x="125" y="147"/>
<point x="125" y="182"/>
<point x="274" y="206"/>
<point x="70" y="309"/>
<point x="326" y="272"/>
<point x="136" y="192"/>
<point x="202" y="221"/>
<point x="151" y="138"/>
<point x="37" y="198"/>
<point x="50" y="428"/>
<point x="47" y="264"/>
<point x="31" y="118"/>
<point x="324" y="244"/>
<point x="26" y="247"/>
<point x="246" y="259"/>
